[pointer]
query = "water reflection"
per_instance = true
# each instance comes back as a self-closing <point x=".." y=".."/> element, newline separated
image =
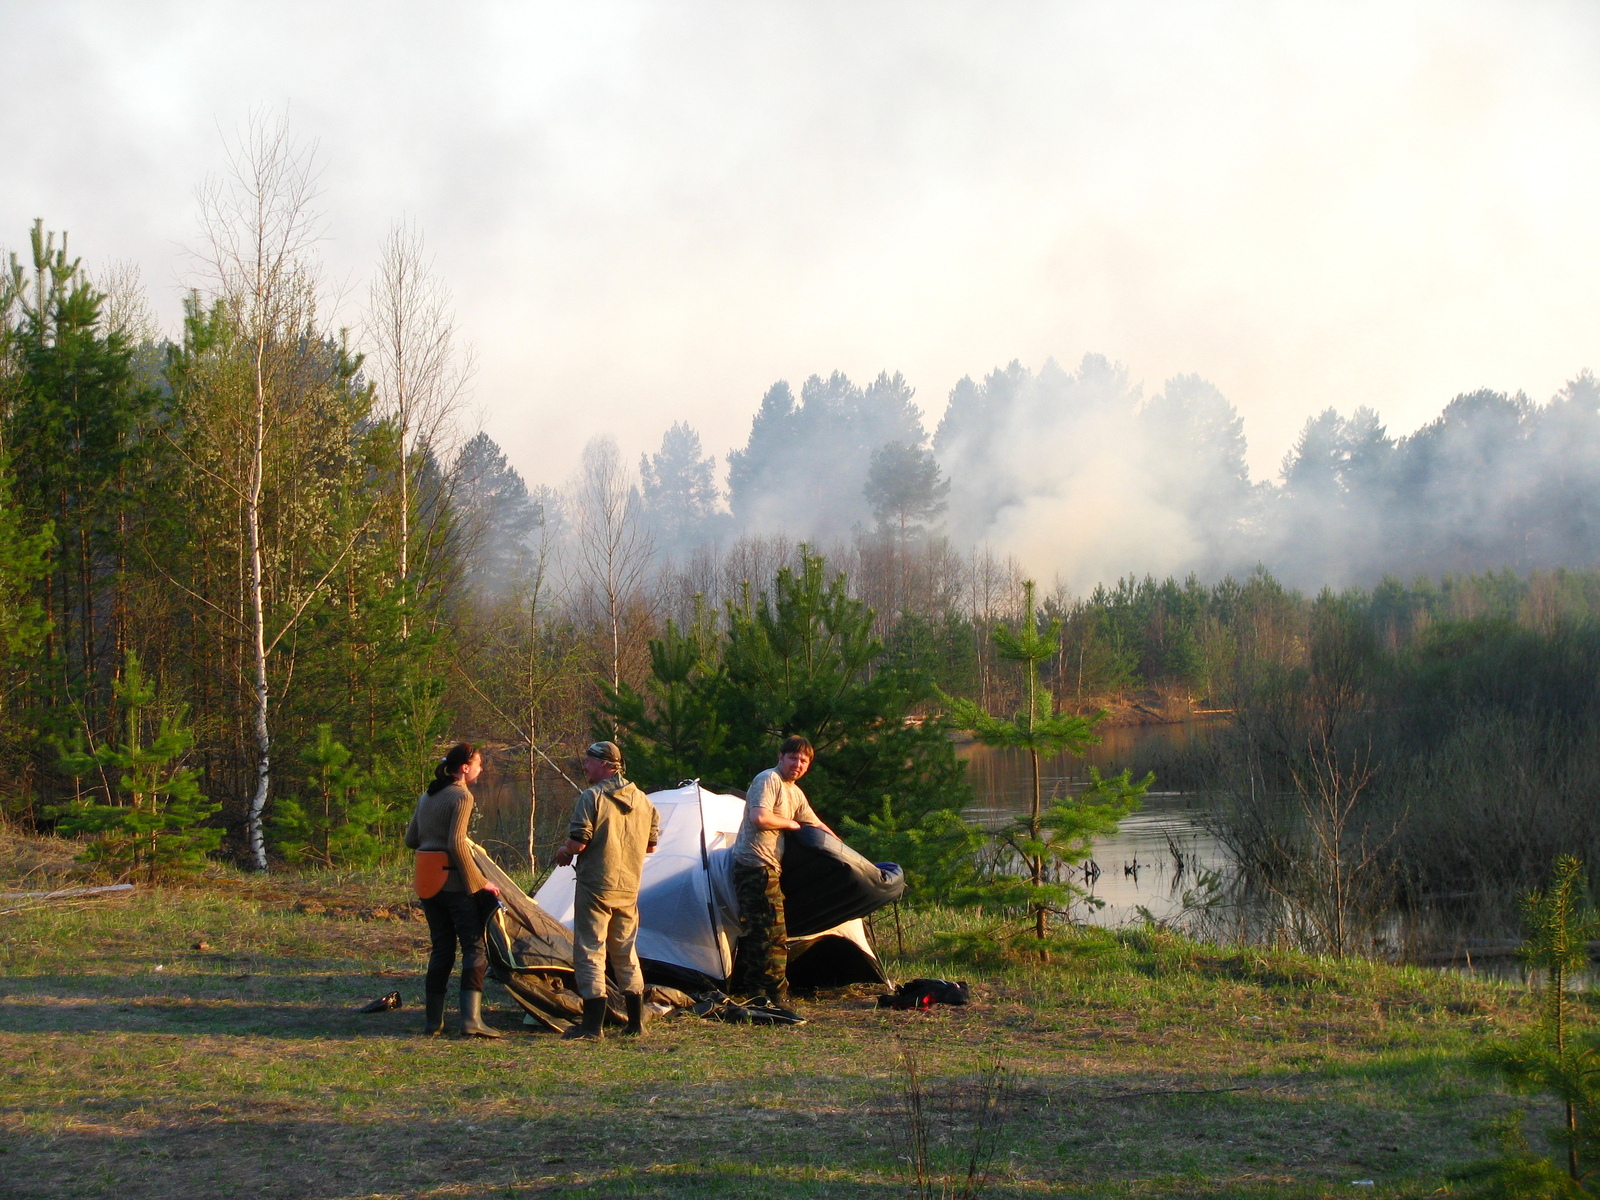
<point x="1158" y="854"/>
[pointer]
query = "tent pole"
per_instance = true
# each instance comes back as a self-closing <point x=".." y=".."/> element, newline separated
<point x="723" y="955"/>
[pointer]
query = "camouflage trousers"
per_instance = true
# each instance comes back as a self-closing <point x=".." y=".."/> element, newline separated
<point x="761" y="959"/>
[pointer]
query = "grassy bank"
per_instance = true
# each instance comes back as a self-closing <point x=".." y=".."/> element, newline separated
<point x="197" y="1042"/>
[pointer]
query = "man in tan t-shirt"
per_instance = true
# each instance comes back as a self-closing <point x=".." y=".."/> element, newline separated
<point x="773" y="805"/>
<point x="613" y="827"/>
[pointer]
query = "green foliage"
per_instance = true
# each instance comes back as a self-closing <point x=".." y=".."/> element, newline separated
<point x="940" y="852"/>
<point x="1037" y="728"/>
<point x="674" y="728"/>
<point x="157" y="828"/>
<point x="1144" y="631"/>
<point x="943" y="647"/>
<point x="375" y="685"/>
<point x="903" y="487"/>
<point x="957" y="863"/>
<point x="339" y="822"/>
<point x="73" y="414"/>
<point x="352" y="645"/>
<point x="1550" y="1058"/>
<point x="24" y="559"/>
<point x="1041" y="731"/>
<point x="1062" y="837"/>
<point x="801" y="659"/>
<point x="1097" y="658"/>
<point x="1049" y="839"/>
<point x="1519" y="1174"/>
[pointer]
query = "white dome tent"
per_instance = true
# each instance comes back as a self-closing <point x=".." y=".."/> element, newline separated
<point x="688" y="916"/>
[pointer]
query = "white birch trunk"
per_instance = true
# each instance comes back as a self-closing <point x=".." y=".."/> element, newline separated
<point x="258" y="629"/>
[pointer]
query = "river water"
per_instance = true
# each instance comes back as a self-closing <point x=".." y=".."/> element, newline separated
<point x="1157" y="854"/>
<point x="1160" y="856"/>
<point x="1138" y="867"/>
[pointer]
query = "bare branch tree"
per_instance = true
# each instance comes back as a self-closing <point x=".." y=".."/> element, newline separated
<point x="419" y="373"/>
<point x="612" y="550"/>
<point x="259" y="227"/>
<point x="125" y="309"/>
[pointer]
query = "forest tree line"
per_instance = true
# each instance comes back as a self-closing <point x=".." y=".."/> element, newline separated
<point x="257" y="572"/>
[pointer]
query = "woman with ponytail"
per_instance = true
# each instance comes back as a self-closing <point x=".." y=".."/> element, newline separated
<point x="456" y="898"/>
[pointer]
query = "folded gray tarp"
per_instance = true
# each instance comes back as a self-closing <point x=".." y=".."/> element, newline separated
<point x="530" y="953"/>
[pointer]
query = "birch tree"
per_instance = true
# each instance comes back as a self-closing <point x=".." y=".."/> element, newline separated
<point x="419" y="372"/>
<point x="259" y="228"/>
<point x="612" y="551"/>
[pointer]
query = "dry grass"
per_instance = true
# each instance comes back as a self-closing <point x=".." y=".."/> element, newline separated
<point x="33" y="863"/>
<point x="134" y="1065"/>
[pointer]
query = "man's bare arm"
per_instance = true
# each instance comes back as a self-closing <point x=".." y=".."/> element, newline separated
<point x="765" y="818"/>
<point x="569" y="851"/>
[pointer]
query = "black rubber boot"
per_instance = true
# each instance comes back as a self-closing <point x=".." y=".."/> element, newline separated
<point x="594" y="1016"/>
<point x="472" y="1017"/>
<point x="433" y="1017"/>
<point x="635" y="1001"/>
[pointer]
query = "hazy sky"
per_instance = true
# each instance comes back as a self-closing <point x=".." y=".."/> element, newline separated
<point x="649" y="212"/>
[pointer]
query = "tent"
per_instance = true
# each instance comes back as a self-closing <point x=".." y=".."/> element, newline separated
<point x="531" y="954"/>
<point x="689" y="918"/>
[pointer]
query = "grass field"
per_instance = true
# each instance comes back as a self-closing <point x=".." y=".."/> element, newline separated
<point x="198" y="1042"/>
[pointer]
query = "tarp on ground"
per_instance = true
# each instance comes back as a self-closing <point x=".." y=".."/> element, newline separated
<point x="530" y="953"/>
<point x="689" y="917"/>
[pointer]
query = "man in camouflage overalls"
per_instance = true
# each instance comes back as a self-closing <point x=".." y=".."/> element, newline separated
<point x="773" y="805"/>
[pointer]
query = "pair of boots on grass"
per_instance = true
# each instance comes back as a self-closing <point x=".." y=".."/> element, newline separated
<point x="592" y="1027"/>
<point x="471" y="1015"/>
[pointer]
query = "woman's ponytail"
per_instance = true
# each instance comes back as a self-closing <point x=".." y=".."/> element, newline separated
<point x="457" y="757"/>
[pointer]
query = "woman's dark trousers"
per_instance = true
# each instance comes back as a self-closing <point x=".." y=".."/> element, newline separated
<point x="458" y="917"/>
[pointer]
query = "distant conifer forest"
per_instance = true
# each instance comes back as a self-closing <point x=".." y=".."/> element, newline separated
<point x="254" y="573"/>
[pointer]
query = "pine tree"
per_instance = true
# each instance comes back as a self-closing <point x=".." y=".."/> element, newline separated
<point x="1552" y="1057"/>
<point x="800" y="659"/>
<point x="23" y="561"/>
<point x="338" y="821"/>
<point x="153" y="824"/>
<point x="1065" y="832"/>
<point x="673" y="729"/>
<point x="679" y="487"/>
<point x="495" y="518"/>
<point x="804" y="465"/>
<point x="78" y="430"/>
<point x="903" y="487"/>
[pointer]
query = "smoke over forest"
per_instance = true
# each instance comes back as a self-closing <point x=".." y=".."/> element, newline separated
<point x="1081" y="477"/>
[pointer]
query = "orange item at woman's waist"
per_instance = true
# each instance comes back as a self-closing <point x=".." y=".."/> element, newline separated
<point x="432" y="871"/>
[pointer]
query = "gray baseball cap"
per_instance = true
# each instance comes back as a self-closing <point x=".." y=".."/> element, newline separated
<point x="605" y="752"/>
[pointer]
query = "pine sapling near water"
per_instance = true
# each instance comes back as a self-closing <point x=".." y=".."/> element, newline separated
<point x="1064" y="833"/>
<point x="1552" y="1057"/>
